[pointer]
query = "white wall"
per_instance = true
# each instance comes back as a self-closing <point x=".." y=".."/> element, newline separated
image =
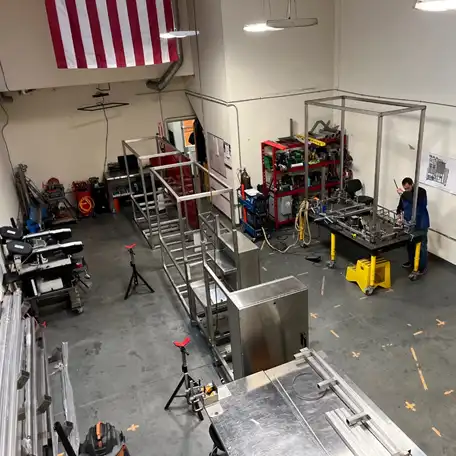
<point x="54" y="139"/>
<point x="28" y="59"/>
<point x="236" y="66"/>
<point x="388" y="49"/>
<point x="260" y="64"/>
<point x="209" y="62"/>
<point x="9" y="205"/>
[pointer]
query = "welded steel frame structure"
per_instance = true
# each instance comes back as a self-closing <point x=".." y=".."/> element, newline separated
<point x="180" y="200"/>
<point x="164" y="149"/>
<point x="339" y="103"/>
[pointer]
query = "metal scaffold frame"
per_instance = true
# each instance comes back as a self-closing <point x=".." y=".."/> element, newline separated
<point x="183" y="247"/>
<point x="396" y="108"/>
<point x="143" y="210"/>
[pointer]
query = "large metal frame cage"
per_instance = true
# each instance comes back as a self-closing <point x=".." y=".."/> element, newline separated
<point x="141" y="204"/>
<point x="396" y="108"/>
<point x="193" y="220"/>
<point x="180" y="218"/>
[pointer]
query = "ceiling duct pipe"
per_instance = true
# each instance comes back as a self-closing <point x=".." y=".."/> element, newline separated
<point x="161" y="84"/>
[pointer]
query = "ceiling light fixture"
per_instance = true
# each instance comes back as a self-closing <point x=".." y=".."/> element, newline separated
<point x="291" y="20"/>
<point x="178" y="34"/>
<point x="260" y="27"/>
<point x="436" y="5"/>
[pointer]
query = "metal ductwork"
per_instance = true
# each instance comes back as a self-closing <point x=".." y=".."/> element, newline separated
<point x="161" y="84"/>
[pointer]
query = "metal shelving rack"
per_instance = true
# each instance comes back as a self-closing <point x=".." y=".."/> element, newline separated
<point x="271" y="177"/>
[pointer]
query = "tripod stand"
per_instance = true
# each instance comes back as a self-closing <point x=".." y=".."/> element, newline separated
<point x="193" y="390"/>
<point x="135" y="274"/>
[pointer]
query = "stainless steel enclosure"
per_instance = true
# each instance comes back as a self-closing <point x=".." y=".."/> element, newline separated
<point x="268" y="324"/>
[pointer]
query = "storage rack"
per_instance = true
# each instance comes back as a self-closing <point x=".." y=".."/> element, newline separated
<point x="272" y="176"/>
<point x="151" y="151"/>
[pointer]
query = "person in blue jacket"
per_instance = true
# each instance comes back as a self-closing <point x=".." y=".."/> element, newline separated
<point x="405" y="209"/>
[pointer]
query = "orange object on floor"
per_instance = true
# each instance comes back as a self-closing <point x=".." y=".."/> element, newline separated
<point x="116" y="205"/>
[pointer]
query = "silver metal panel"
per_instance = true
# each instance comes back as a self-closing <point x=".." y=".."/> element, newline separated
<point x="249" y="268"/>
<point x="199" y="290"/>
<point x="247" y="261"/>
<point x="268" y="324"/>
<point x="255" y="419"/>
<point x="222" y="260"/>
<point x="282" y="412"/>
<point x="244" y="243"/>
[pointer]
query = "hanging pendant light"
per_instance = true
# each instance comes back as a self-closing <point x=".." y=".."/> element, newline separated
<point x="261" y="26"/>
<point x="292" y="20"/>
<point x="436" y="5"/>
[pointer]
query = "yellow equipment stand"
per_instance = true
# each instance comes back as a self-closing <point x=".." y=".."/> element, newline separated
<point x="332" y="258"/>
<point x="370" y="274"/>
<point x="416" y="264"/>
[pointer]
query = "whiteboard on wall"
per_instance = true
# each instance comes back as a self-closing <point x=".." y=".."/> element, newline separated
<point x="216" y="153"/>
<point x="439" y="172"/>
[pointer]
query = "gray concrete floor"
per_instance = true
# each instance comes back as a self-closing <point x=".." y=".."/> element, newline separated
<point x="124" y="367"/>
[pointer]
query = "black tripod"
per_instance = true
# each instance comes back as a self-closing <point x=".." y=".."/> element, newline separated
<point x="135" y="274"/>
<point x="193" y="390"/>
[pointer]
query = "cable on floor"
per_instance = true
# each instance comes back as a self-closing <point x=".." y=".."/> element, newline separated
<point x="302" y="229"/>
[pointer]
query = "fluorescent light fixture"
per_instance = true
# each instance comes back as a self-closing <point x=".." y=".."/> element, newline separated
<point x="280" y="24"/>
<point x="178" y="34"/>
<point x="436" y="5"/>
<point x="260" y="27"/>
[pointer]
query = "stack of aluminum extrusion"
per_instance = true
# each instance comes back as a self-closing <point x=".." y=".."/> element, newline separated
<point x="11" y="343"/>
<point x="26" y="409"/>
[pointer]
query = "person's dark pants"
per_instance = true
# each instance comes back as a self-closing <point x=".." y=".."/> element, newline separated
<point x="423" y="252"/>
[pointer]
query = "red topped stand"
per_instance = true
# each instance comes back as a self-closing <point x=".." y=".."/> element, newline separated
<point x="193" y="392"/>
<point x="135" y="275"/>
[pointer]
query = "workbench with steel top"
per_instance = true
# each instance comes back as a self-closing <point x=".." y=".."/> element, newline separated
<point x="304" y="408"/>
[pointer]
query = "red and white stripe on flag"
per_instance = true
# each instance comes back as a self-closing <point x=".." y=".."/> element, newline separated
<point x="111" y="33"/>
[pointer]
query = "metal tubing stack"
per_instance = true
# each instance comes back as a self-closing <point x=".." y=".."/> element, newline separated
<point x="68" y="401"/>
<point x="26" y="412"/>
<point x="10" y="331"/>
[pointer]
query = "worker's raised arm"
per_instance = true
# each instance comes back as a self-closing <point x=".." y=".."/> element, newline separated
<point x="400" y="206"/>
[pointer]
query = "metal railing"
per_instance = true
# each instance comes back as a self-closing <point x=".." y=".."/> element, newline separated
<point x="181" y="250"/>
<point x="149" y="151"/>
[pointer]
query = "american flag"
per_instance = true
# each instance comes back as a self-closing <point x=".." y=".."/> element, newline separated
<point x="111" y="33"/>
